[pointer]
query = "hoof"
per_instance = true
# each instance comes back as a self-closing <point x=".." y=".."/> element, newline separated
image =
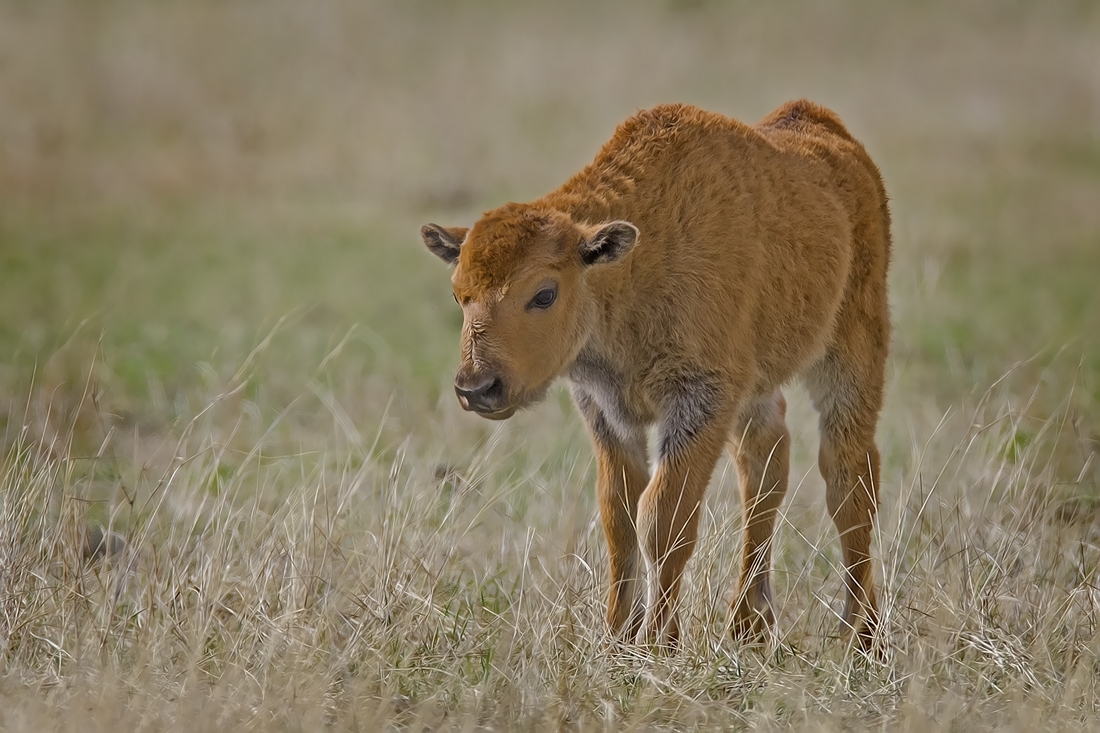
<point x="751" y="625"/>
<point x="753" y="616"/>
<point x="862" y="633"/>
<point x="662" y="640"/>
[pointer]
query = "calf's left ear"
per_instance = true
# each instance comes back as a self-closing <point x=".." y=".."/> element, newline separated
<point x="444" y="242"/>
<point x="609" y="242"/>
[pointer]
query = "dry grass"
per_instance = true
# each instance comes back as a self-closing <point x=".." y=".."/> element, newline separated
<point x="220" y="340"/>
<point x="350" y="589"/>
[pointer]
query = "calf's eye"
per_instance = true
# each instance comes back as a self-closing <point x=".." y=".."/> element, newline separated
<point x="544" y="298"/>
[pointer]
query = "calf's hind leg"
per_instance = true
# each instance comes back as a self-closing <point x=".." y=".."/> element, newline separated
<point x="848" y="396"/>
<point x="760" y="443"/>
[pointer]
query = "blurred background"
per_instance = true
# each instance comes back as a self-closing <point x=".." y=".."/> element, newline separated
<point x="182" y="182"/>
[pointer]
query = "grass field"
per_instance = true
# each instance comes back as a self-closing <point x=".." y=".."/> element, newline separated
<point x="221" y="339"/>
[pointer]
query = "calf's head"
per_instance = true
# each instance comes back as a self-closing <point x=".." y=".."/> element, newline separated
<point x="522" y="278"/>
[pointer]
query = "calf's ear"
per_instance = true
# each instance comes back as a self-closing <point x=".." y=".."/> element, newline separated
<point x="609" y="242"/>
<point x="444" y="242"/>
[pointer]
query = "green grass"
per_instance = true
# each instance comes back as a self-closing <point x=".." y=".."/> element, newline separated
<point x="221" y="337"/>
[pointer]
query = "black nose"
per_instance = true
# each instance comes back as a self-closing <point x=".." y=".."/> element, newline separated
<point x="484" y="395"/>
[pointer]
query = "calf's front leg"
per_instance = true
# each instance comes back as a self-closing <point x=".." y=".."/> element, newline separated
<point x="693" y="429"/>
<point x="622" y="474"/>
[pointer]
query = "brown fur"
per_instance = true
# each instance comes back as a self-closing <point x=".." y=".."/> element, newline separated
<point x="756" y="255"/>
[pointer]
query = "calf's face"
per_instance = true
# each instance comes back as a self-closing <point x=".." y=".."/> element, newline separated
<point x="522" y="279"/>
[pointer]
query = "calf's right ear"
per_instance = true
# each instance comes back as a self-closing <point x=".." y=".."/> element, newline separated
<point x="609" y="242"/>
<point x="444" y="242"/>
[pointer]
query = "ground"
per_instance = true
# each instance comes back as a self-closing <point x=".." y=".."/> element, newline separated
<point x="221" y="338"/>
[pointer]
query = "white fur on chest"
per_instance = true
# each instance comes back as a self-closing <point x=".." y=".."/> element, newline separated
<point x="608" y="388"/>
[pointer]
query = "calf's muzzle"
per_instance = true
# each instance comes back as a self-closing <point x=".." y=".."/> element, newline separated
<point x="483" y="393"/>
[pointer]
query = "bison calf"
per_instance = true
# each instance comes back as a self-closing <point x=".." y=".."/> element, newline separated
<point x="695" y="267"/>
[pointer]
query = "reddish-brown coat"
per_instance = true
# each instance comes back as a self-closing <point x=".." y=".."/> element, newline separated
<point x="756" y="255"/>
